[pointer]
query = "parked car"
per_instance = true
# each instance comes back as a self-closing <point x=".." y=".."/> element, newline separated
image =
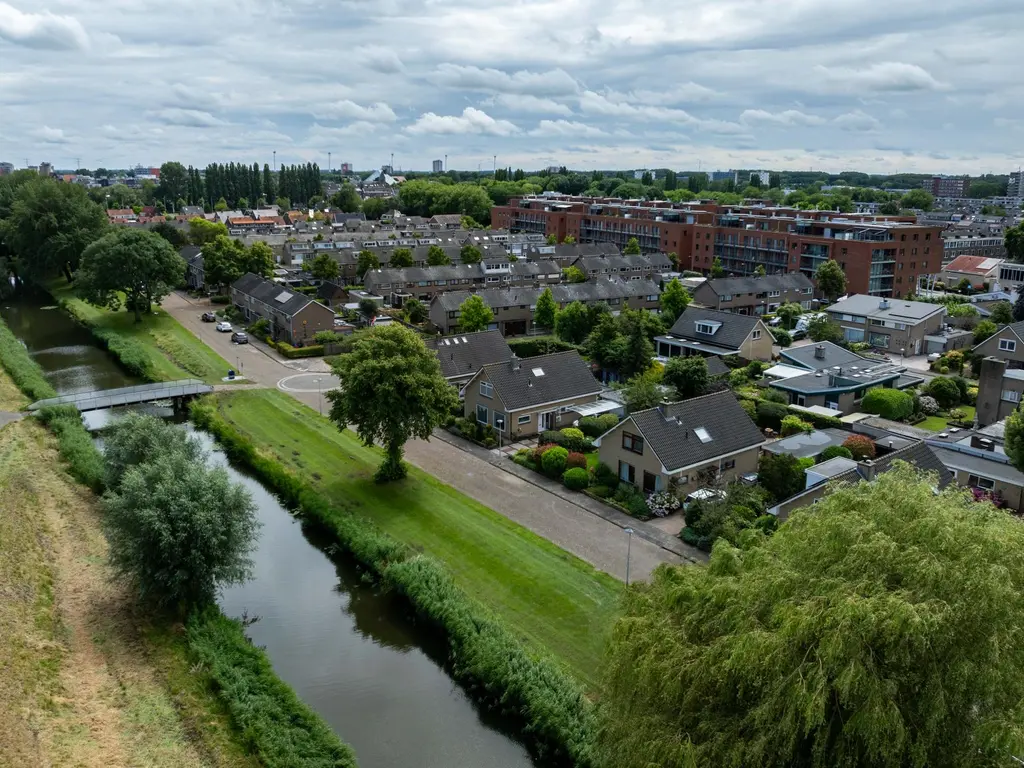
<point x="209" y="317"/>
<point x="224" y="327"/>
<point x="798" y="334"/>
<point x="240" y="337"/>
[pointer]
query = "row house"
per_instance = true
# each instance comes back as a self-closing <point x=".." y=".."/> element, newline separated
<point x="566" y="255"/>
<point x="293" y="316"/>
<point x="513" y="308"/>
<point x="755" y="295"/>
<point x="423" y="283"/>
<point x="641" y="267"/>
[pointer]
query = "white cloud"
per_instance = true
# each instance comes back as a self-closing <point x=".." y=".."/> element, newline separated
<point x="470" y="121"/>
<point x="527" y="103"/>
<point x="52" y="135"/>
<point x="379" y="58"/>
<point x="789" y="117"/>
<point x="566" y="128"/>
<point x="857" y="121"/>
<point x="349" y="110"/>
<point x="189" y="118"/>
<point x="882" y="76"/>
<point x="556" y="82"/>
<point x="359" y="128"/>
<point x="41" y="30"/>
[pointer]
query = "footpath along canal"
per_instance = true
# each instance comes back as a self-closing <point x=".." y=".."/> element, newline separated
<point x="351" y="652"/>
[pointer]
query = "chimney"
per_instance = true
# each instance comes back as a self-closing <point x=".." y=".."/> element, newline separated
<point x="982" y="443"/>
<point x="515" y="362"/>
<point x="819" y="352"/>
<point x="883" y="304"/>
<point x="866" y="469"/>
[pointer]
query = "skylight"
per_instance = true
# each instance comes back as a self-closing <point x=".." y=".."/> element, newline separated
<point x="282" y="297"/>
<point x="702" y="435"/>
<point x="538" y="372"/>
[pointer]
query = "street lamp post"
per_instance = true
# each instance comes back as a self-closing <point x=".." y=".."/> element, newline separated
<point x="319" y="396"/>
<point x="629" y="547"/>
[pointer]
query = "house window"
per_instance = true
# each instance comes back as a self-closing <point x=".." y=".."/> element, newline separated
<point x="756" y="334"/>
<point x="705" y="328"/>
<point x="486" y="389"/>
<point x="1007" y="345"/>
<point x="481" y="414"/>
<point x="727" y="297"/>
<point x="977" y="481"/>
<point x="773" y="294"/>
<point x="524" y="419"/>
<point x="633" y="443"/>
<point x="499" y="421"/>
<point x="627" y="473"/>
<point x="650" y="482"/>
<point x="727" y="464"/>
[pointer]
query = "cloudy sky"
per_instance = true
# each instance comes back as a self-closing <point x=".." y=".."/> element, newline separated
<point x="913" y="85"/>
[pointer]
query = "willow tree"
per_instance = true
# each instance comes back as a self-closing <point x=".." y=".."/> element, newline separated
<point x="881" y="627"/>
<point x="391" y="390"/>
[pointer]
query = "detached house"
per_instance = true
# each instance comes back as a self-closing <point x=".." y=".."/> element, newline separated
<point x="293" y="317"/>
<point x="521" y="398"/>
<point x="711" y="333"/>
<point x="462" y="355"/>
<point x="897" y="325"/>
<point x="683" y="445"/>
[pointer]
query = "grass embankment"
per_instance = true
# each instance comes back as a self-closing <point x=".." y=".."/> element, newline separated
<point x="544" y="594"/>
<point x="156" y="349"/>
<point x="549" y="597"/>
<point x="88" y="680"/>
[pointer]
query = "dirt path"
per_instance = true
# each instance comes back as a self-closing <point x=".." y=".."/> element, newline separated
<point x="78" y="685"/>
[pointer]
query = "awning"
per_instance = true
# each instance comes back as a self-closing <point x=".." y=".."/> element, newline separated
<point x="596" y="408"/>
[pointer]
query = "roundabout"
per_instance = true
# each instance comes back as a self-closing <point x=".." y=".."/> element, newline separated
<point x="308" y="382"/>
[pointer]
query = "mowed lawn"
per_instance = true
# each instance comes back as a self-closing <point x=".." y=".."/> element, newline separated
<point x="938" y="423"/>
<point x="551" y="598"/>
<point x="174" y="352"/>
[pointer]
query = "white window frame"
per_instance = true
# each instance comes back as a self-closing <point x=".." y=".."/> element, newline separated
<point x="486" y="413"/>
<point x="1007" y="345"/>
<point x="756" y="334"/>
<point x="706" y="328"/>
<point x="525" y="419"/>
<point x="487" y="390"/>
<point x="978" y="481"/>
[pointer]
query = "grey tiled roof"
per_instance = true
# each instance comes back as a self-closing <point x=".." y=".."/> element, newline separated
<point x="899" y="310"/>
<point x="467" y="353"/>
<point x="616" y="264"/>
<point x="595" y="290"/>
<point x="732" y="333"/>
<point x="670" y="430"/>
<point x="788" y="281"/>
<point x="716" y="367"/>
<point x="457" y="272"/>
<point x="268" y="292"/>
<point x="543" y="379"/>
<point x="920" y="455"/>
<point x="804" y="357"/>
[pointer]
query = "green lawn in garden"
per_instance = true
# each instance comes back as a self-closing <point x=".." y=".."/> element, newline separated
<point x="939" y="422"/>
<point x="551" y="598"/>
<point x="174" y="352"/>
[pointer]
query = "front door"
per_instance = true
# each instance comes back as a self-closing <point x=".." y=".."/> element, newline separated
<point x="650" y="483"/>
<point x="547" y="421"/>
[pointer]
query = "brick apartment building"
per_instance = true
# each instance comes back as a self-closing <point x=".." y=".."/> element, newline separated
<point x="948" y="186"/>
<point x="882" y="256"/>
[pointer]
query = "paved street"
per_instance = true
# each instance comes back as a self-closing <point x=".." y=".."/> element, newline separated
<point x="572" y="527"/>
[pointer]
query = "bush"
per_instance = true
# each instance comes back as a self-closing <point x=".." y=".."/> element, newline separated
<point x="772" y="395"/>
<point x="755" y="368"/>
<point x="571" y="433"/>
<point x="220" y="300"/>
<point x="818" y="421"/>
<point x="292" y="353"/>
<point x="573" y="441"/>
<point x="576" y="479"/>
<point x="928" y="405"/>
<point x="963" y="385"/>
<point x="738" y="377"/>
<point x="750" y="407"/>
<point x="972" y="396"/>
<point x="553" y="461"/>
<point x="945" y="391"/>
<point x="860" y="447"/>
<point x="595" y="426"/>
<point x="556" y="718"/>
<point x="133" y="357"/>
<point x="25" y="371"/>
<point x="605" y="475"/>
<point x="663" y="503"/>
<point x="794" y="425"/>
<point x="325" y="337"/>
<point x="260" y="329"/>
<point x="601" y="491"/>
<point x="770" y="415"/>
<point x="888" y="403"/>
<point x="85" y="462"/>
<point x="576" y="460"/>
<point x="782" y="337"/>
<point x="277" y="725"/>
<point x="540" y="450"/>
<point x="834" y="452"/>
<point x="539" y="345"/>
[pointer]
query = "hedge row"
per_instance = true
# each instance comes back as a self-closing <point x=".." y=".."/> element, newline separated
<point x="274" y="723"/>
<point x="286" y="349"/>
<point x="25" y="371"/>
<point x="555" y="718"/>
<point x="532" y="346"/>
<point x="85" y="462"/>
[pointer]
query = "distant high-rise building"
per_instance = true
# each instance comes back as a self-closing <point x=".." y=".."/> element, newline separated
<point x="346" y="168"/>
<point x="948" y="186"/>
<point x="45" y="169"/>
<point x="6" y="168"/>
<point x="438" y="166"/>
<point x="1016" y="186"/>
<point x="743" y="178"/>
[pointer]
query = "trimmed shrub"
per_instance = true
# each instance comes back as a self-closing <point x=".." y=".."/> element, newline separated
<point x="591" y="426"/>
<point x="750" y="407"/>
<point x="571" y="433"/>
<point x="220" y="300"/>
<point x="770" y="415"/>
<point x="888" y="403"/>
<point x="972" y="395"/>
<point x="539" y="345"/>
<point x="771" y="395"/>
<point x="928" y="405"/>
<point x="576" y="479"/>
<point x="819" y="421"/>
<point x="755" y="368"/>
<point x="805" y="463"/>
<point x="325" y="337"/>
<point x="576" y="460"/>
<point x="945" y="391"/>
<point x="834" y="452"/>
<point x="782" y="338"/>
<point x="574" y="441"/>
<point x="313" y="350"/>
<point x="860" y="447"/>
<point x="605" y="475"/>
<point x="794" y="425"/>
<point x="553" y="461"/>
<point x="540" y="450"/>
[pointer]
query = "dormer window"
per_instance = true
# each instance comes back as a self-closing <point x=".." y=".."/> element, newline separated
<point x="706" y="327"/>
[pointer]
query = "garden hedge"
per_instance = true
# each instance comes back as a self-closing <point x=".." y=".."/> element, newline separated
<point x="888" y="403"/>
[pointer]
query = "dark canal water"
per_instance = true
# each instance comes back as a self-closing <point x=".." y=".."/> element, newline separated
<point x="349" y="651"/>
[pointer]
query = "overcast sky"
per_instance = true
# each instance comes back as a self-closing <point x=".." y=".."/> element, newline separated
<point x="910" y="85"/>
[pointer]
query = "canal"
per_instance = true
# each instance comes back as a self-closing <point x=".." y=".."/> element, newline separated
<point x="350" y="651"/>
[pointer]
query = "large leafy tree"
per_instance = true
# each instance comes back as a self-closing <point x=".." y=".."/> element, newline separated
<point x="824" y="329"/>
<point x="475" y="315"/>
<point x="49" y="225"/>
<point x="674" y="299"/>
<point x="688" y="376"/>
<point x="637" y="353"/>
<point x="258" y="259"/>
<point x="367" y="260"/>
<point x="573" y="323"/>
<point x="222" y="261"/>
<point x="201" y="231"/>
<point x="632" y="247"/>
<point x="470" y="254"/>
<point x="1014" y="240"/>
<point x="831" y="279"/>
<point x="402" y="257"/>
<point x="172" y="234"/>
<point x="788" y="313"/>
<point x="436" y="257"/>
<point x="325" y="268"/>
<point x="545" y="310"/>
<point x="137" y="263"/>
<point x="881" y="627"/>
<point x="391" y="390"/>
<point x="173" y="183"/>
<point x="346" y="199"/>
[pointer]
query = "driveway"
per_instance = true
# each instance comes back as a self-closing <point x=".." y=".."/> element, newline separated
<point x="599" y="541"/>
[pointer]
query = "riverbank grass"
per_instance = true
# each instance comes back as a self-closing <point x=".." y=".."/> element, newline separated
<point x="548" y="597"/>
<point x="170" y="351"/>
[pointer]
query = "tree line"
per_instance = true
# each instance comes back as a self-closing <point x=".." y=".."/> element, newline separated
<point x="237" y="185"/>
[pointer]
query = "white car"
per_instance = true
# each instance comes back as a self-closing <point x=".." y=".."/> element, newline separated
<point x="224" y="327"/>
